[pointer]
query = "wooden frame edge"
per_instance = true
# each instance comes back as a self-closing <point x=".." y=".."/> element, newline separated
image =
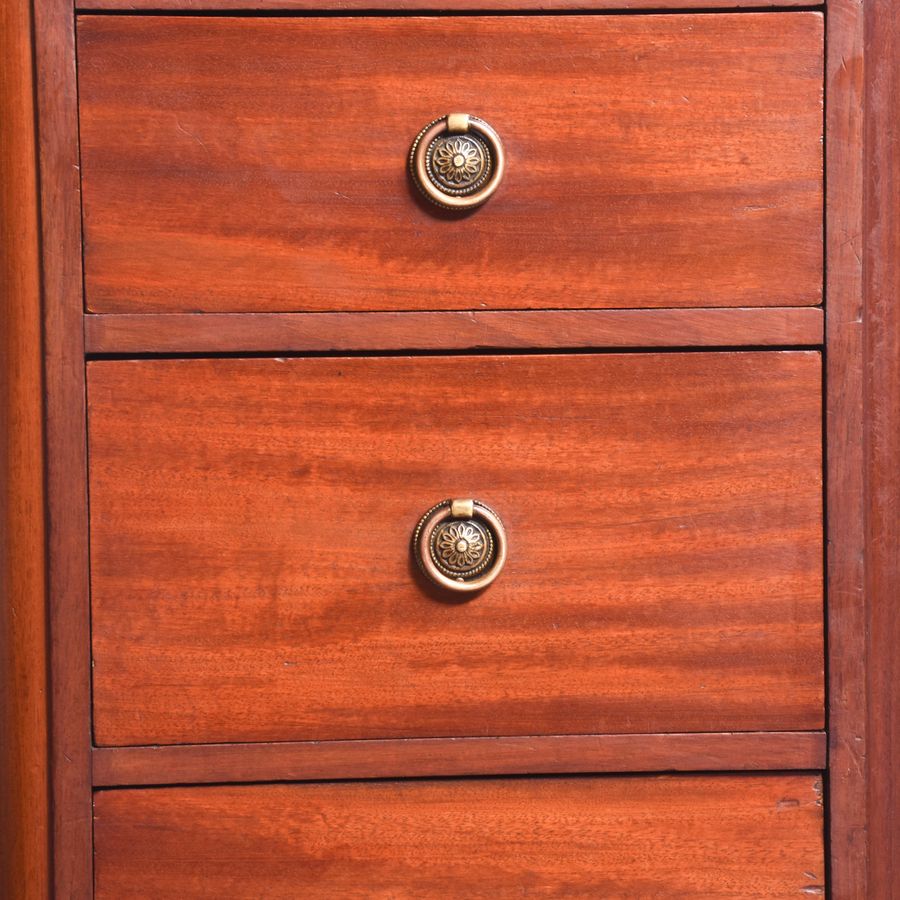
<point x="348" y="7"/>
<point x="66" y="462"/>
<point x="863" y="441"/>
<point x="881" y="399"/>
<point x="494" y="330"/>
<point x="24" y="788"/>
<point x="441" y="757"/>
<point x="844" y="424"/>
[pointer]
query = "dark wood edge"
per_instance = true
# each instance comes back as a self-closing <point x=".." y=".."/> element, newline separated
<point x="863" y="441"/>
<point x="444" y="6"/>
<point x="396" y="331"/>
<point x="24" y="788"/>
<point x="66" y="471"/>
<point x="881" y="399"/>
<point x="434" y="757"/>
<point x="844" y="426"/>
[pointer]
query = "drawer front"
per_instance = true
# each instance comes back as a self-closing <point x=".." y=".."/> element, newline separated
<point x="261" y="164"/>
<point x="250" y="538"/>
<point x="703" y="836"/>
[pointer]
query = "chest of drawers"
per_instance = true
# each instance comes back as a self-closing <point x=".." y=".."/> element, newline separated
<point x="469" y="450"/>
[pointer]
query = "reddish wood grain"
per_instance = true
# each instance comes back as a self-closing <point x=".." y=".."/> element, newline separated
<point x="301" y="332"/>
<point x="251" y="572"/>
<point x="439" y="5"/>
<point x="683" y="836"/>
<point x="882" y="447"/>
<point x="66" y="470"/>
<point x="547" y="754"/>
<point x="846" y="425"/>
<point x="254" y="164"/>
<point x="24" y="751"/>
<point x="863" y="679"/>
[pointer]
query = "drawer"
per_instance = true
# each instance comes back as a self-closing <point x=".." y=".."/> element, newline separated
<point x="252" y="578"/>
<point x="688" y="836"/>
<point x="260" y="164"/>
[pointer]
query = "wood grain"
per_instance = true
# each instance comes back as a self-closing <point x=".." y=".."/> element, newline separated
<point x="539" y="6"/>
<point x="882" y="446"/>
<point x="684" y="836"/>
<point x="252" y="164"/>
<point x="66" y="470"/>
<point x="415" y="758"/>
<point x="846" y="425"/>
<point x="340" y="332"/>
<point x="24" y="760"/>
<point x="251" y="572"/>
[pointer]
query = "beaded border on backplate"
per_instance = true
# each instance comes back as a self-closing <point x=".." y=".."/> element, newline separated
<point x="482" y="181"/>
<point x="465" y="574"/>
<point x="476" y="185"/>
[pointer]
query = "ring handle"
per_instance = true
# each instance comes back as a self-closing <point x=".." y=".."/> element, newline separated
<point x="457" y="161"/>
<point x="460" y="545"/>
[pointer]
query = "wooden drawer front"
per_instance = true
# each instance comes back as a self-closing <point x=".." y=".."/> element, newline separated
<point x="260" y="164"/>
<point x="709" y="836"/>
<point x="250" y="540"/>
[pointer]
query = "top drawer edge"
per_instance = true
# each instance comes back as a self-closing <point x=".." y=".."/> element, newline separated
<point x="439" y="6"/>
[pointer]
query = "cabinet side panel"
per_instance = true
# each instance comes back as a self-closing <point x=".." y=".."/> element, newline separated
<point x="66" y="456"/>
<point x="24" y="802"/>
<point x="882" y="294"/>
<point x="845" y="337"/>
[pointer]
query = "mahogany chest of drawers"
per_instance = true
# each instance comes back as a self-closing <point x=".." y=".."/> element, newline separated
<point x="452" y="449"/>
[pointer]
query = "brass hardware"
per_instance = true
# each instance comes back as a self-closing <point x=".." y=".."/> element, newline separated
<point x="457" y="161"/>
<point x="460" y="545"/>
<point x="458" y="123"/>
<point x="462" y="509"/>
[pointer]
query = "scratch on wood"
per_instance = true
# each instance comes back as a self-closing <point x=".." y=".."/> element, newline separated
<point x="190" y="134"/>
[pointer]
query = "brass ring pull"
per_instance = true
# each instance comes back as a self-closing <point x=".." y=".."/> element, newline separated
<point x="460" y="545"/>
<point x="457" y="161"/>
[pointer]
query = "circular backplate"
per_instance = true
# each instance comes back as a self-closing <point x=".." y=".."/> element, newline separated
<point x="462" y="553"/>
<point x="459" y="167"/>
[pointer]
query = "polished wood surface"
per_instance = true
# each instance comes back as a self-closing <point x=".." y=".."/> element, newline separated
<point x="862" y="407"/>
<point x="66" y="469"/>
<point x="539" y="6"/>
<point x="24" y="788"/>
<point x="251" y="569"/>
<point x="415" y="758"/>
<point x="846" y="425"/>
<point x="252" y="164"/>
<point x="339" y="332"/>
<point x="676" y="836"/>
<point x="882" y="443"/>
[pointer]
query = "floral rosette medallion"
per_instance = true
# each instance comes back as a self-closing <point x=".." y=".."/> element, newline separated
<point x="457" y="161"/>
<point x="460" y="544"/>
